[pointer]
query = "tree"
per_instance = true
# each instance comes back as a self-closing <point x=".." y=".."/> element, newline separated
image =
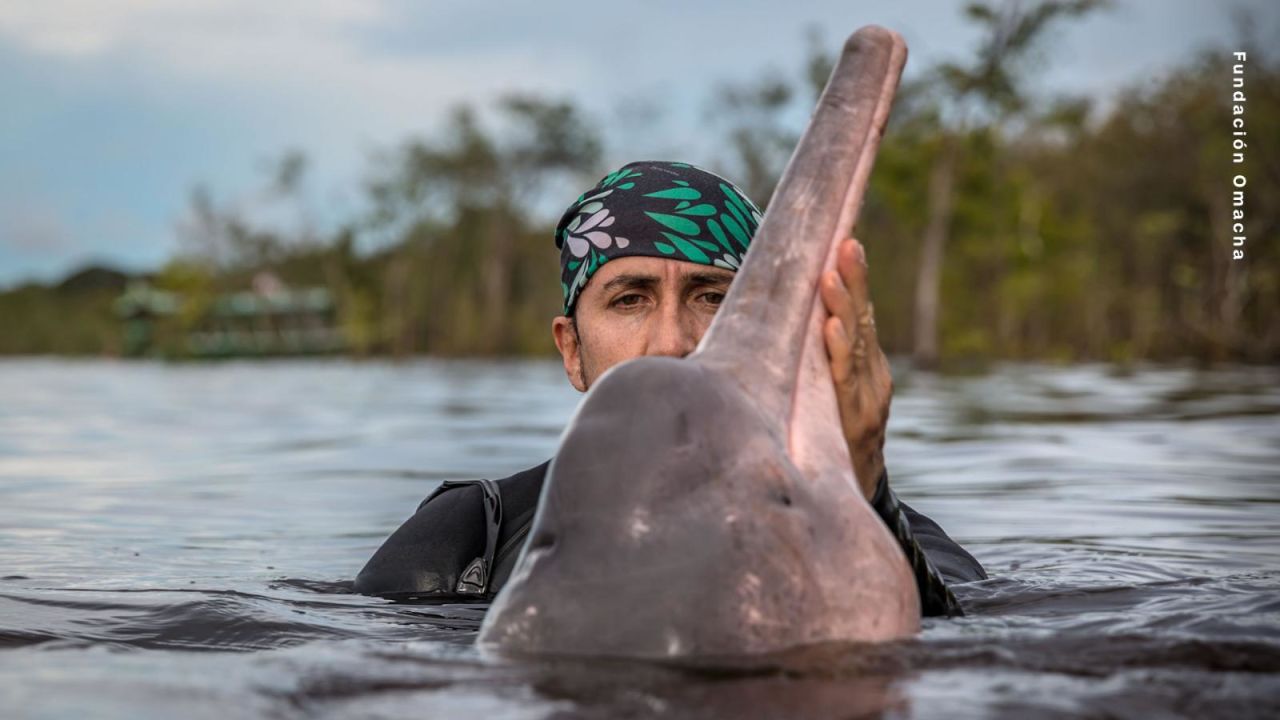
<point x="988" y="92"/>
<point x="461" y="212"/>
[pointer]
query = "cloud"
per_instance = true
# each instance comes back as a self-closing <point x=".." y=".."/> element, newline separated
<point x="79" y="28"/>
<point x="315" y="56"/>
<point x="123" y="105"/>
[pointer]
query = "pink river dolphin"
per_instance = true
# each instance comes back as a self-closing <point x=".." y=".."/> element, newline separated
<point x="706" y="506"/>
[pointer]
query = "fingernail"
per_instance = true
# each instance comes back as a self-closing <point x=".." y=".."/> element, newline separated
<point x="859" y="252"/>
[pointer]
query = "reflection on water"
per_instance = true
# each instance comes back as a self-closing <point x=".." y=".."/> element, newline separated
<point x="152" y="513"/>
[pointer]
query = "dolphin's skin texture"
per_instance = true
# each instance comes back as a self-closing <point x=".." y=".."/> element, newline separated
<point x="706" y="506"/>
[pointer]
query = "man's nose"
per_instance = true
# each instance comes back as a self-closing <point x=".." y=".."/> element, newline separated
<point x="672" y="334"/>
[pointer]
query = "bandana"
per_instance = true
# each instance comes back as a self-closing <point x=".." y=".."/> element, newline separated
<point x="656" y="209"/>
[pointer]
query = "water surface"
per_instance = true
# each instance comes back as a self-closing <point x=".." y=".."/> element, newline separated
<point x="178" y="541"/>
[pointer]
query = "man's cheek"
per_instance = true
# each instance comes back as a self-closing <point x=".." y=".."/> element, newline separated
<point x="623" y="344"/>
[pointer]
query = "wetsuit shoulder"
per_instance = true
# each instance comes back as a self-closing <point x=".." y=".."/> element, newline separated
<point x="433" y="554"/>
<point x="953" y="562"/>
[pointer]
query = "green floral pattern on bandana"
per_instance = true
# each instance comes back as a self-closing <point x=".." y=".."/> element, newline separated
<point x="656" y="209"/>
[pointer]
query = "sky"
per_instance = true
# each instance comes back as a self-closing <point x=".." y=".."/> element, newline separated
<point x="112" y="111"/>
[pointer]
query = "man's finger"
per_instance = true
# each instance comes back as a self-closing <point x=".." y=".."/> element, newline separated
<point x="838" y="349"/>
<point x="852" y="263"/>
<point x="838" y="301"/>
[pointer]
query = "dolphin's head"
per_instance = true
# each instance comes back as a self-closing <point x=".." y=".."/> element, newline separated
<point x="670" y="502"/>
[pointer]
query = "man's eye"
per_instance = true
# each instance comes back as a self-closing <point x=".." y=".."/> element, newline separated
<point x="630" y="300"/>
<point x="714" y="298"/>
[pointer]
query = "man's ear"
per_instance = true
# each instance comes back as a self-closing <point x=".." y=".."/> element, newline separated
<point x="570" y="347"/>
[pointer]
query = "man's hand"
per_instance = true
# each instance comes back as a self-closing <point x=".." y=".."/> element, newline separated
<point x="864" y="385"/>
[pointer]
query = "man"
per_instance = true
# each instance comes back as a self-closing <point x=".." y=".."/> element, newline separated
<point x="646" y="257"/>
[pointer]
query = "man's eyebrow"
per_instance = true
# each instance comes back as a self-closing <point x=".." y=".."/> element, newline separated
<point x="630" y="281"/>
<point x="633" y="281"/>
<point x="707" y="278"/>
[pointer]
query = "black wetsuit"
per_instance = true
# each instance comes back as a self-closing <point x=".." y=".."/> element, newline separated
<point x="462" y="543"/>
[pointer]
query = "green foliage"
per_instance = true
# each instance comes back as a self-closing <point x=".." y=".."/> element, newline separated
<point x="59" y="320"/>
<point x="468" y="271"/>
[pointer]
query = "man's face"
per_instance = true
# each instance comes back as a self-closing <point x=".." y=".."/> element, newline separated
<point x="635" y="306"/>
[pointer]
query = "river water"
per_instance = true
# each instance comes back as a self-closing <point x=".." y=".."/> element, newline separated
<point x="178" y="541"/>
